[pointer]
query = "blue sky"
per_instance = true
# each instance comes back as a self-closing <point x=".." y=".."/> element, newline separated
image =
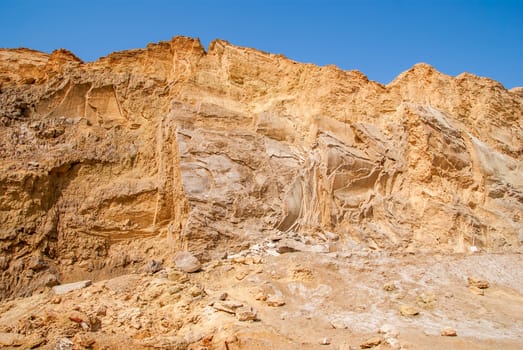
<point x="379" y="38"/>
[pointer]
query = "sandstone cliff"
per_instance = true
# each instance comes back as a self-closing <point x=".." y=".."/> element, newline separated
<point x="146" y="152"/>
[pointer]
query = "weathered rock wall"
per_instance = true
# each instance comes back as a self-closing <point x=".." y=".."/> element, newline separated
<point x="143" y="152"/>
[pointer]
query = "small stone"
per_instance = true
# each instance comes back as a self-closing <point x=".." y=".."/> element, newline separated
<point x="389" y="287"/>
<point x="241" y="275"/>
<point x="84" y="340"/>
<point x="261" y="296"/>
<point x="325" y="341"/>
<point x="275" y="301"/>
<point x="302" y="274"/>
<point x="136" y="324"/>
<point x="246" y="314"/>
<point x="426" y="299"/>
<point x="408" y="310"/>
<point x="194" y="291"/>
<point x="177" y="276"/>
<point x="37" y="263"/>
<point x="234" y="304"/>
<point x="448" y="332"/>
<point x="101" y="310"/>
<point x="50" y="279"/>
<point x="222" y="306"/>
<point x="64" y="344"/>
<point x="223" y="296"/>
<point x="370" y="343"/>
<point x="56" y="300"/>
<point x="187" y="262"/>
<point x="481" y="284"/>
<point x="231" y="339"/>
<point x="154" y="266"/>
<point x="338" y="323"/>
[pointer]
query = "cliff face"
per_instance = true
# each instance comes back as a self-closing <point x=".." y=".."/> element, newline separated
<point x="146" y="152"/>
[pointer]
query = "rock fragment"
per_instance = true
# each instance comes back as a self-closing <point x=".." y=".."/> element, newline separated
<point x="227" y="307"/>
<point x="448" y="332"/>
<point x="154" y="266"/>
<point x="187" y="262"/>
<point x="291" y="245"/>
<point x="478" y="283"/>
<point x="69" y="287"/>
<point x="195" y="291"/>
<point x="37" y="263"/>
<point x="275" y="301"/>
<point x="64" y="344"/>
<point x="246" y="314"/>
<point x="408" y="310"/>
<point x="390" y="287"/>
<point x="261" y="296"/>
<point x="325" y="341"/>
<point x="370" y="343"/>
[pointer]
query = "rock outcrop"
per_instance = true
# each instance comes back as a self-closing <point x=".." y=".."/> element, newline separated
<point x="105" y="165"/>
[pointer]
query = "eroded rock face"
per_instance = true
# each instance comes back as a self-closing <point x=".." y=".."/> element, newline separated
<point x="108" y="164"/>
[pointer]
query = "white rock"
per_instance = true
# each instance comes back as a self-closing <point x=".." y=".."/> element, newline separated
<point x="68" y="287"/>
<point x="64" y="344"/>
<point x="187" y="262"/>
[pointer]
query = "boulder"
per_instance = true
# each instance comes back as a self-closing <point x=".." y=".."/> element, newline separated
<point x="187" y="262"/>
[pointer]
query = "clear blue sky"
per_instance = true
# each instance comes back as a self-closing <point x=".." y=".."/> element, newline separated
<point x="380" y="38"/>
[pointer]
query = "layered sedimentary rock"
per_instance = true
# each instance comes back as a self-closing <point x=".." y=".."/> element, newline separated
<point x="146" y="152"/>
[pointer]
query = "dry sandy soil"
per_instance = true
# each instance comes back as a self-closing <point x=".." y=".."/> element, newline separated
<point x="307" y="300"/>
